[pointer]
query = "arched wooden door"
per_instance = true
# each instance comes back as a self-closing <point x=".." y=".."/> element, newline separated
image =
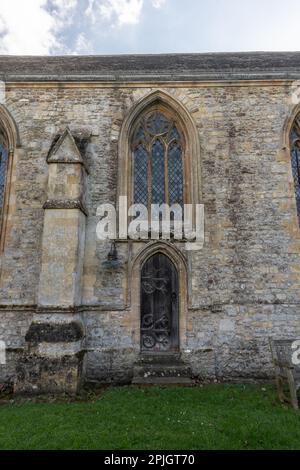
<point x="159" y="305"/>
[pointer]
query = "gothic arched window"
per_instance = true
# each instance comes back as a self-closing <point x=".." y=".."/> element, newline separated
<point x="295" y="158"/>
<point x="158" y="160"/>
<point x="3" y="170"/>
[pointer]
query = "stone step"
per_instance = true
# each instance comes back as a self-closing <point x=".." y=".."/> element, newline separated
<point x="162" y="381"/>
<point x="166" y="358"/>
<point x="161" y="369"/>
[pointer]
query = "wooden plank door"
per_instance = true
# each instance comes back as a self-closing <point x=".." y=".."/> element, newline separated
<point x="159" y="305"/>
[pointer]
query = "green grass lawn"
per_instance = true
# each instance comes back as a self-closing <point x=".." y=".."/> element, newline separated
<point x="208" y="417"/>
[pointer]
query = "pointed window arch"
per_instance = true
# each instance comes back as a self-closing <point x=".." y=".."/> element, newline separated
<point x="9" y="141"/>
<point x="158" y="159"/>
<point x="3" y="170"/>
<point x="4" y="157"/>
<point x="295" y="159"/>
<point x="159" y="141"/>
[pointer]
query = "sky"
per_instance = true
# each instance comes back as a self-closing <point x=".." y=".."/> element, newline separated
<point x="49" y="27"/>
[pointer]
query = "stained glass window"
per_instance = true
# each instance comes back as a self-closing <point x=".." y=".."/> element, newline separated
<point x="157" y="160"/>
<point x="175" y="173"/>
<point x="158" y="172"/>
<point x="295" y="159"/>
<point x="140" y="175"/>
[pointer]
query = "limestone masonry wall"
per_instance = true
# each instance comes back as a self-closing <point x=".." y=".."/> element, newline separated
<point x="242" y="287"/>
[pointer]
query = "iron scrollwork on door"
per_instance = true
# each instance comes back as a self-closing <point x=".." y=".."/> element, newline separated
<point x="158" y="306"/>
<point x="156" y="332"/>
<point x="155" y="279"/>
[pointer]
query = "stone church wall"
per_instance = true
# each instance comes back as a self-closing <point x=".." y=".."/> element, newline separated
<point x="243" y="286"/>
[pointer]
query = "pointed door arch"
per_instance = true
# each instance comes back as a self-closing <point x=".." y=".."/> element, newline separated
<point x="159" y="305"/>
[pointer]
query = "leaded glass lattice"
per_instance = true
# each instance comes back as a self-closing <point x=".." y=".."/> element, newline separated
<point x="157" y="160"/>
<point x="295" y="160"/>
<point x="157" y="123"/>
<point x="174" y="134"/>
<point x="3" y="166"/>
<point x="158" y="173"/>
<point x="140" y="175"/>
<point x="175" y="174"/>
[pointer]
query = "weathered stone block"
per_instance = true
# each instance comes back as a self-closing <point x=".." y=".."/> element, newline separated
<point x="45" y="375"/>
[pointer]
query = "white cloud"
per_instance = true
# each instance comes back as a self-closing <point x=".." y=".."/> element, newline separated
<point x="39" y="26"/>
<point x="90" y="11"/>
<point x="158" y="3"/>
<point x="29" y="27"/>
<point x="62" y="10"/>
<point x="123" y="11"/>
<point x="140" y="26"/>
<point x="118" y="12"/>
<point x="83" y="45"/>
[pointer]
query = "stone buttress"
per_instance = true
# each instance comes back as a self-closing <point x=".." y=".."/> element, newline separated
<point x="53" y="357"/>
